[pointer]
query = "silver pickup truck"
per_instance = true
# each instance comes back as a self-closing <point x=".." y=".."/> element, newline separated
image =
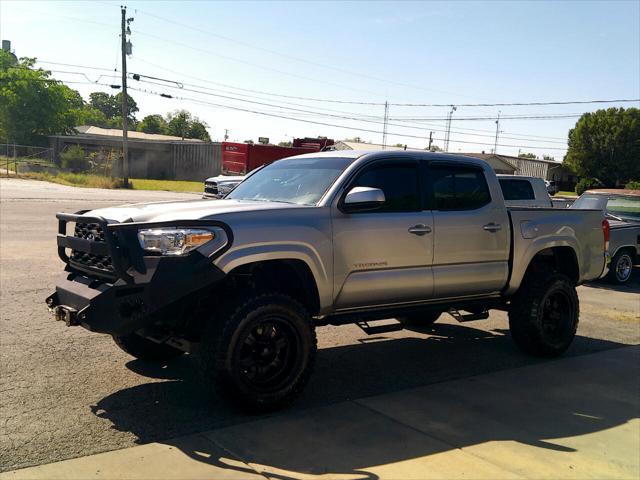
<point x="325" y="238"/>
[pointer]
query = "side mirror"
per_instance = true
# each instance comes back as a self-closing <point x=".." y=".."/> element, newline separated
<point x="363" y="199"/>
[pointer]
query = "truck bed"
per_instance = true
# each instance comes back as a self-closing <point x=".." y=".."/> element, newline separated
<point x="580" y="230"/>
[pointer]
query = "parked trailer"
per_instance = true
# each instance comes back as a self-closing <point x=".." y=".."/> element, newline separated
<point x="241" y="158"/>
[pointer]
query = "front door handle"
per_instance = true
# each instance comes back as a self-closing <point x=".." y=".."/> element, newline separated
<point x="492" y="227"/>
<point x="420" y="229"/>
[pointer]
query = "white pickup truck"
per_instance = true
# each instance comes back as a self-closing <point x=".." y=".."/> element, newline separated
<point x="326" y="238"/>
<point x="524" y="191"/>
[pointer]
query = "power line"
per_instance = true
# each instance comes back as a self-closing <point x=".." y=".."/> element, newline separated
<point x="244" y="62"/>
<point x="257" y="112"/>
<point x="298" y="110"/>
<point x="512" y="117"/>
<point x="75" y="65"/>
<point x="516" y="104"/>
<point x="295" y="58"/>
<point x="354" y="102"/>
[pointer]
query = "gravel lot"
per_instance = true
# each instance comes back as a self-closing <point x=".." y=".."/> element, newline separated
<point x="65" y="392"/>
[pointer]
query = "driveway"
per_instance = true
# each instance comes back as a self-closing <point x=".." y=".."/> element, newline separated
<point x="65" y="392"/>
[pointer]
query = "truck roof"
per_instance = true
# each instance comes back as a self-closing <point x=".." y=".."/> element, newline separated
<point x="373" y="154"/>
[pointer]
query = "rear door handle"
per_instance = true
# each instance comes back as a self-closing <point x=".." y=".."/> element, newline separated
<point x="492" y="227"/>
<point x="420" y="229"/>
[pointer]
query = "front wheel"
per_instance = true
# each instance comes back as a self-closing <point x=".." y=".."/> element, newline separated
<point x="621" y="267"/>
<point x="543" y="316"/>
<point x="145" y="349"/>
<point x="261" y="354"/>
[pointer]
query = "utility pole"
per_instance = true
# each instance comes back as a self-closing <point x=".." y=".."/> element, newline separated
<point x="430" y="140"/>
<point x="495" y="145"/>
<point x="226" y="134"/>
<point x="384" y="128"/>
<point x="448" y="134"/>
<point x="125" y="147"/>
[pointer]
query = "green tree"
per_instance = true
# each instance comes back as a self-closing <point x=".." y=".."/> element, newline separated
<point x="181" y="123"/>
<point x="605" y="145"/>
<point x="32" y="105"/>
<point x="548" y="157"/>
<point x="198" y="129"/>
<point x="111" y="105"/>
<point x="285" y="144"/>
<point x="153" y="124"/>
<point x="532" y="156"/>
<point x="105" y="103"/>
<point x="132" y="107"/>
<point x="178" y="123"/>
<point x="88" y="115"/>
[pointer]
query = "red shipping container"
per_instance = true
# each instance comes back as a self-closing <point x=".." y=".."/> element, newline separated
<point x="241" y="158"/>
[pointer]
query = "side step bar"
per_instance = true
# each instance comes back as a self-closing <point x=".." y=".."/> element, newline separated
<point x="469" y="317"/>
<point x="369" y="329"/>
<point x="378" y="329"/>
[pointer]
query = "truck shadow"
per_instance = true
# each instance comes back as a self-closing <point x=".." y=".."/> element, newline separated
<point x="158" y="411"/>
<point x="632" y="286"/>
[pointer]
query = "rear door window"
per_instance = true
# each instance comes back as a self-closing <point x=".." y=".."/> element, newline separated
<point x="458" y="187"/>
<point x="514" y="189"/>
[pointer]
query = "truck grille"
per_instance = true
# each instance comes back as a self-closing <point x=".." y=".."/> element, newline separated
<point x="99" y="263"/>
<point x="211" y="188"/>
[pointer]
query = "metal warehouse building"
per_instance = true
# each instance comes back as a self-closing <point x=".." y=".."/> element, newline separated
<point x="150" y="156"/>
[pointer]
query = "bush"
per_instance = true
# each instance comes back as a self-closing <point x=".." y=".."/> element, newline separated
<point x="588" y="184"/>
<point x="633" y="185"/>
<point x="74" y="159"/>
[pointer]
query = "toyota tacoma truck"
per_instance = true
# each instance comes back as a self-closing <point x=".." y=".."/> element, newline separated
<point x="327" y="238"/>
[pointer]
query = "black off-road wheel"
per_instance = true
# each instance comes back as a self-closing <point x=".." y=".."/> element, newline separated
<point x="621" y="267"/>
<point x="543" y="316"/>
<point x="261" y="354"/>
<point x="145" y="349"/>
<point x="422" y="319"/>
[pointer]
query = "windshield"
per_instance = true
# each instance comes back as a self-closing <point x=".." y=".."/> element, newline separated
<point x="302" y="181"/>
<point x="590" y="202"/>
<point x="626" y="207"/>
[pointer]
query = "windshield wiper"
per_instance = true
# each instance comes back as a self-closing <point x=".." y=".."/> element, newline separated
<point x="615" y="217"/>
<point x="265" y="200"/>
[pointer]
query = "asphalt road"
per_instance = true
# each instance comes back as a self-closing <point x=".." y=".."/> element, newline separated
<point x="65" y="392"/>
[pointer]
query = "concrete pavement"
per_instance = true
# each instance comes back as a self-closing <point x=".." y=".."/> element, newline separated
<point x="68" y="393"/>
<point x="568" y="418"/>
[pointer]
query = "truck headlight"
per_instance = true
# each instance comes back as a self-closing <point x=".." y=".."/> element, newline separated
<point x="174" y="241"/>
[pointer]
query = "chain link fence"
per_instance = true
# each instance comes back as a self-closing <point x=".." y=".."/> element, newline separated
<point x="16" y="159"/>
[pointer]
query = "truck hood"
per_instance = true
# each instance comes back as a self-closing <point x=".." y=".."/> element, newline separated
<point x="226" y="178"/>
<point x="184" y="210"/>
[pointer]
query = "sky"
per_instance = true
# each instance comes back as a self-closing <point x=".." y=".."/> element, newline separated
<point x="237" y="65"/>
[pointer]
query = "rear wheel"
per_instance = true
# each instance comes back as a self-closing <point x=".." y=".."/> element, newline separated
<point x="422" y="319"/>
<point x="621" y="267"/>
<point x="261" y="355"/>
<point x="145" y="349"/>
<point x="543" y="316"/>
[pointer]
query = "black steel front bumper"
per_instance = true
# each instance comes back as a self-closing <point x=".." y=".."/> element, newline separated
<point x="137" y="286"/>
